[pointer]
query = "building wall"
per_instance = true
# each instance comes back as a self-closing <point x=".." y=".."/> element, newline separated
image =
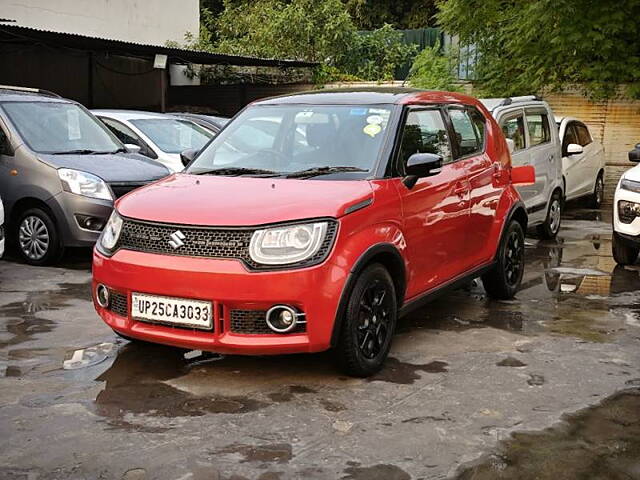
<point x="141" y="21"/>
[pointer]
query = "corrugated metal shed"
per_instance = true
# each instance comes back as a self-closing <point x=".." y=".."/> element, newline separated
<point x="615" y="123"/>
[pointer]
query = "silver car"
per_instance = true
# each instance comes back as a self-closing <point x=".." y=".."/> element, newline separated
<point x="60" y="172"/>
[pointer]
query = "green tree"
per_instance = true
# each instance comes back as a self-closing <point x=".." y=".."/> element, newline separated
<point x="401" y="14"/>
<point x="526" y="46"/>
<point x="432" y="70"/>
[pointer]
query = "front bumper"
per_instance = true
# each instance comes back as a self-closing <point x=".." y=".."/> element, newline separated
<point x="66" y="206"/>
<point x="231" y="287"/>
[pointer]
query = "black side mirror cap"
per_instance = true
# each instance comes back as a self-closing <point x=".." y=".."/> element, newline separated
<point x="188" y="155"/>
<point x="634" y="155"/>
<point x="420" y="165"/>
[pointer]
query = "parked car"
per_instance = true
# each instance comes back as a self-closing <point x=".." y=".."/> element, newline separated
<point x="582" y="162"/>
<point x="159" y="136"/>
<point x="211" y="122"/>
<point x="1" y="228"/>
<point x="529" y="123"/>
<point x="290" y="249"/>
<point x="60" y="170"/>
<point x="626" y="214"/>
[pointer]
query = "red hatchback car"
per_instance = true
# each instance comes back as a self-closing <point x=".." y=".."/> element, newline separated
<point x="314" y="221"/>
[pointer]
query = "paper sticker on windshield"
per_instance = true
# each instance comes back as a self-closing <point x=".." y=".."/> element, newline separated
<point x="73" y="125"/>
<point x="375" y="119"/>
<point x="361" y="112"/>
<point x="372" y="129"/>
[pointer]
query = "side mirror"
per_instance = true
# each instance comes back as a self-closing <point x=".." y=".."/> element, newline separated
<point x="421" y="165"/>
<point x="511" y="145"/>
<point x="524" y="175"/>
<point x="574" y="149"/>
<point x="188" y="155"/>
<point x="132" y="148"/>
<point x="634" y="155"/>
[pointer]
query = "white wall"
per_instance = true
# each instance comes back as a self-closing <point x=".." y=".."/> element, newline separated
<point x="140" y="21"/>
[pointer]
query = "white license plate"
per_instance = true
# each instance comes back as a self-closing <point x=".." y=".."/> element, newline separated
<point x="177" y="311"/>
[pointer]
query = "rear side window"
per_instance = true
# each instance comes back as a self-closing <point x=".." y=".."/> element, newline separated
<point x="584" y="138"/>
<point x="513" y="128"/>
<point x="538" y="124"/>
<point x="424" y="132"/>
<point x="469" y="129"/>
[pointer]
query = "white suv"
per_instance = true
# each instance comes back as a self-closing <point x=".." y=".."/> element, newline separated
<point x="529" y="124"/>
<point x="626" y="214"/>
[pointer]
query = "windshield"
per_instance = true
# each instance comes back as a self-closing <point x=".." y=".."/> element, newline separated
<point x="174" y="135"/>
<point x="294" y="138"/>
<point x="49" y="127"/>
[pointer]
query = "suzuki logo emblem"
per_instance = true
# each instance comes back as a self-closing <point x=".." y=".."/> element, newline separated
<point x="177" y="239"/>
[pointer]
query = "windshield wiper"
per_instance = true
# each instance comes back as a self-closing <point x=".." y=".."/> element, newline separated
<point x="80" y="151"/>
<point x="236" y="171"/>
<point x="317" y="171"/>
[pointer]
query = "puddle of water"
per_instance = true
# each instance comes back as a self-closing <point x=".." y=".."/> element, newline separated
<point x="274" y="453"/>
<point x="601" y="442"/>
<point x="88" y="357"/>
<point x="395" y="371"/>
<point x="376" y="472"/>
<point x="511" y="362"/>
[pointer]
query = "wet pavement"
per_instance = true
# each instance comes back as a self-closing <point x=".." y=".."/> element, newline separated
<point x="545" y="386"/>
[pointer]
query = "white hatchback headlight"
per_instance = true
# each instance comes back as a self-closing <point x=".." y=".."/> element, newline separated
<point x="287" y="244"/>
<point x="84" y="183"/>
<point x="111" y="233"/>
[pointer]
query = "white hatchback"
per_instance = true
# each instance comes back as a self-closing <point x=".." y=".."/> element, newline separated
<point x="626" y="214"/>
<point x="582" y="162"/>
<point x="159" y="136"/>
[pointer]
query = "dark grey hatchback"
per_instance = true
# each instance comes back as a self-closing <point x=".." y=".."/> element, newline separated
<point x="60" y="171"/>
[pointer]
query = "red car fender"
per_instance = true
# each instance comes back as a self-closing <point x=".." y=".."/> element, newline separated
<point x="382" y="242"/>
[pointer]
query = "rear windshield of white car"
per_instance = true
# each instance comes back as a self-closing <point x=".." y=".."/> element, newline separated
<point x="55" y="127"/>
<point x="174" y="135"/>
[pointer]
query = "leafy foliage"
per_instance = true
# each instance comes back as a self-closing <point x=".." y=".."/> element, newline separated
<point x="400" y="14"/>
<point x="319" y="31"/>
<point x="527" y="46"/>
<point x="433" y="70"/>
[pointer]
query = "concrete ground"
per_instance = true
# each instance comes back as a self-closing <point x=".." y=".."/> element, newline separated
<point x="465" y="374"/>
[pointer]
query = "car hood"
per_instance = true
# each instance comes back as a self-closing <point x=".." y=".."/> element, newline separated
<point x="115" y="167"/>
<point x="633" y="174"/>
<point x="237" y="201"/>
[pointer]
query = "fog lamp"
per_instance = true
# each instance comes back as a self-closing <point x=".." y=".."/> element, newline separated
<point x="282" y="318"/>
<point x="102" y="296"/>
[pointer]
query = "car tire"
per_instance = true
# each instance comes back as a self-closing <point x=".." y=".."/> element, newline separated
<point x="369" y="323"/>
<point x="595" y="201"/>
<point x="37" y="238"/>
<point x="551" y="226"/>
<point x="623" y="253"/>
<point x="503" y="280"/>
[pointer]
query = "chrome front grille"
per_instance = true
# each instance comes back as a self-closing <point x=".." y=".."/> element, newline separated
<point x="209" y="242"/>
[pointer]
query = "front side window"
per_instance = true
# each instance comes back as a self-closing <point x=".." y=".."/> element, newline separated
<point x="513" y="128"/>
<point x="469" y="131"/>
<point x="283" y="139"/>
<point x="174" y="135"/>
<point x="570" y="137"/>
<point x="56" y="127"/>
<point x="424" y="132"/>
<point x="538" y="125"/>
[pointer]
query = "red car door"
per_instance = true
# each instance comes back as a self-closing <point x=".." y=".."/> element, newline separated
<point x="470" y="129"/>
<point x="436" y="208"/>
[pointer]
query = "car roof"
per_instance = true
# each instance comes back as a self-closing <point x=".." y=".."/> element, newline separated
<point x="128" y="114"/>
<point x="19" y="94"/>
<point x="522" y="101"/>
<point x="368" y="96"/>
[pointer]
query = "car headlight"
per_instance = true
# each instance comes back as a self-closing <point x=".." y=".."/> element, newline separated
<point x="630" y="185"/>
<point x="111" y="233"/>
<point x="287" y="244"/>
<point x="84" y="183"/>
